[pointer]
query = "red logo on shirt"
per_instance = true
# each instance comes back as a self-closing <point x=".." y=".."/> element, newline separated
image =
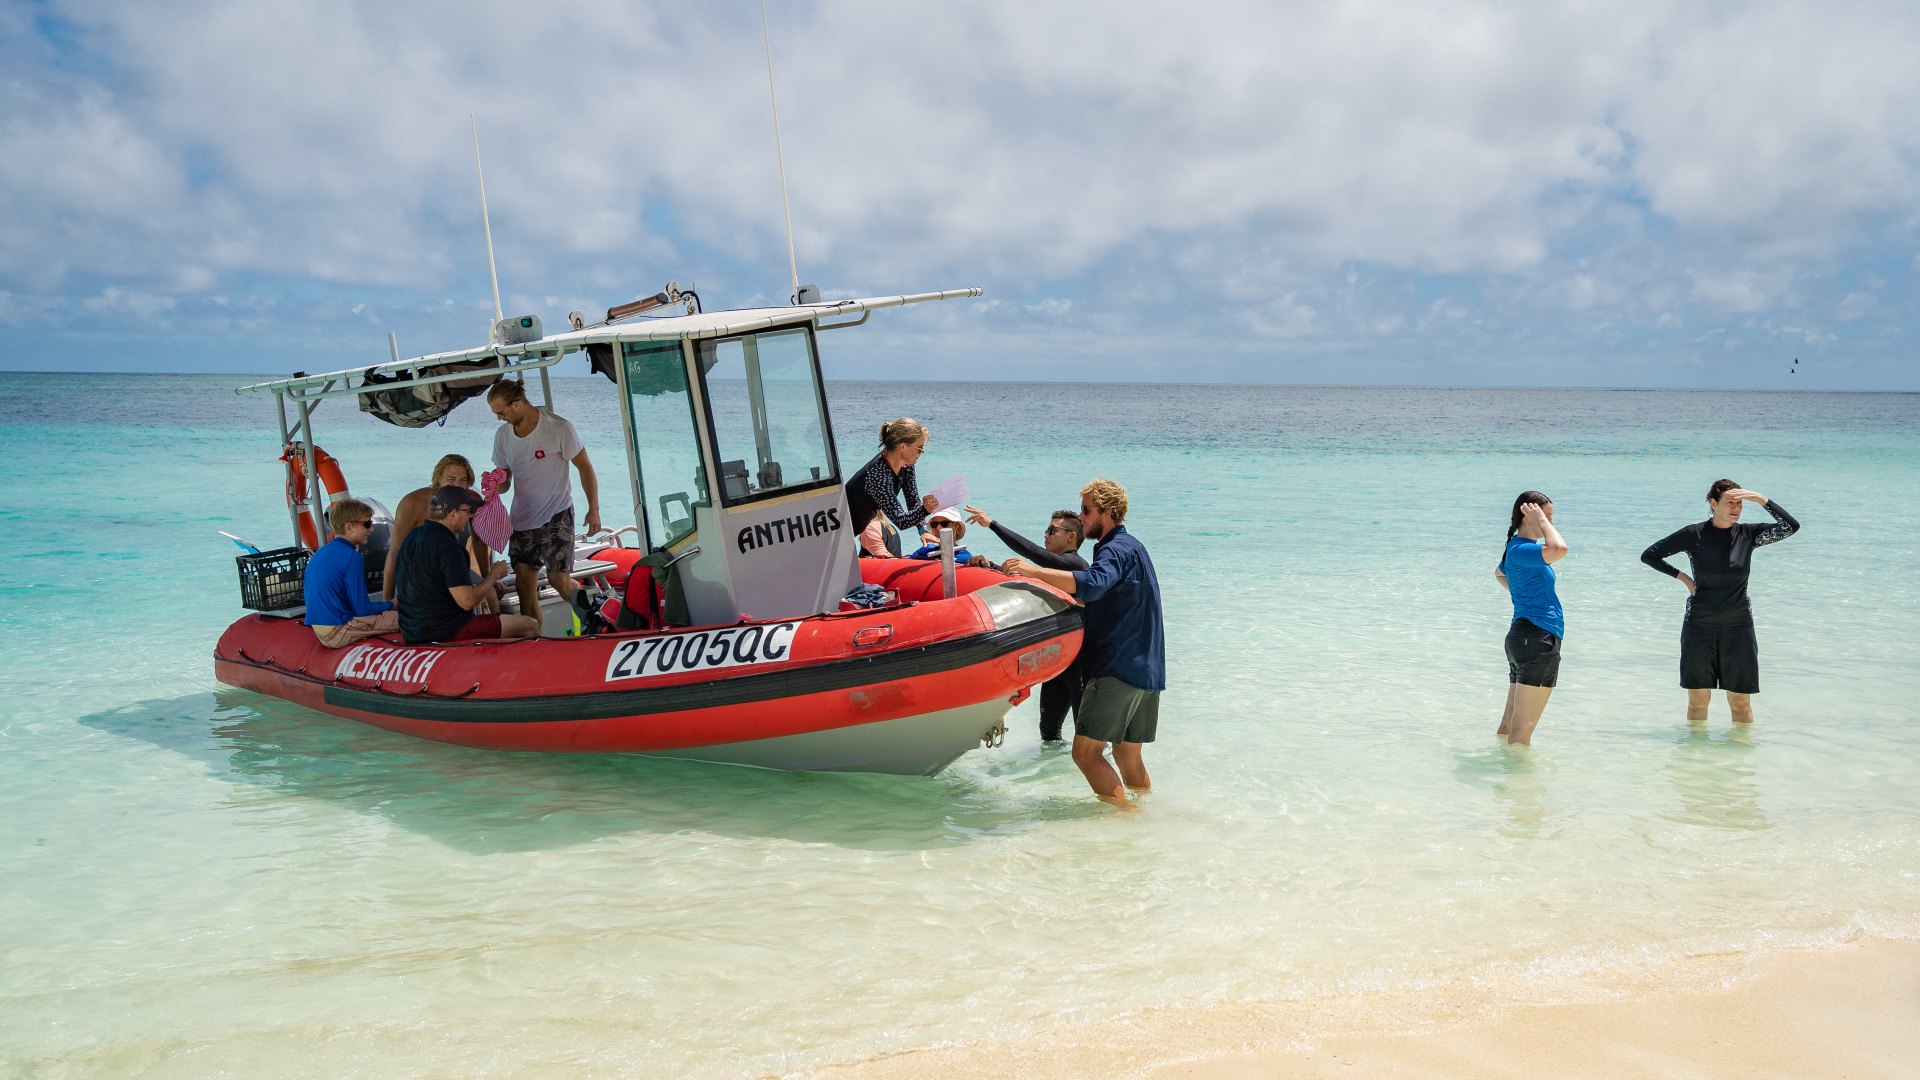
<point x="539" y="453"/>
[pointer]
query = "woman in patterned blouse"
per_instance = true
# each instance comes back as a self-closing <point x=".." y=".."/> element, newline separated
<point x="880" y="483"/>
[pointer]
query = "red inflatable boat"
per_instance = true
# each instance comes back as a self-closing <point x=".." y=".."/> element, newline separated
<point x="901" y="689"/>
<point x="739" y="504"/>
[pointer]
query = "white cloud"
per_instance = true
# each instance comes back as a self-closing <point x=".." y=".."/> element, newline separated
<point x="1743" y="291"/>
<point x="1856" y="306"/>
<point x="1283" y="317"/>
<point x="1778" y="124"/>
<point x="114" y="301"/>
<point x="1105" y="160"/>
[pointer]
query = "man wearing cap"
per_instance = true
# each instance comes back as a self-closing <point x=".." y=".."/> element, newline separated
<point x="436" y="591"/>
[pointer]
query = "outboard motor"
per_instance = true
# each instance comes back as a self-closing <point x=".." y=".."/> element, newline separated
<point x="379" y="539"/>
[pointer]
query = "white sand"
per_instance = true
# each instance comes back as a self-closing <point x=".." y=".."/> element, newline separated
<point x="1850" y="1012"/>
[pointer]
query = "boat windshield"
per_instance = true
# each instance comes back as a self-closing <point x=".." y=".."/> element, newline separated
<point x="665" y="449"/>
<point x="769" y="418"/>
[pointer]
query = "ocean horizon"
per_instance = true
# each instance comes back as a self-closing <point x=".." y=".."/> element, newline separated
<point x="572" y="372"/>
<point x="204" y="879"/>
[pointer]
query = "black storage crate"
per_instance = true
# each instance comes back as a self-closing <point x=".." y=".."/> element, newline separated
<point x="273" y="580"/>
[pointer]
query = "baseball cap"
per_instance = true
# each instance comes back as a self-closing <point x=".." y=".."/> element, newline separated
<point x="455" y="497"/>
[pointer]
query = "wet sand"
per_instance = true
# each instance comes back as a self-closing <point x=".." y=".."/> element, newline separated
<point x="1851" y="1011"/>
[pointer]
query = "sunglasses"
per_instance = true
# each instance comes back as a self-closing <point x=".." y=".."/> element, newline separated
<point x="1051" y="529"/>
<point x="365" y="524"/>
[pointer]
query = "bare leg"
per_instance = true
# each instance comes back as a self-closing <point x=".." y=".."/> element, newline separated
<point x="1742" y="706"/>
<point x="1506" y="716"/>
<point x="1528" y="703"/>
<point x="1132" y="770"/>
<point x="1697" y="705"/>
<point x="1090" y="756"/>
<point x="563" y="584"/>
<point x="526" y="585"/>
<point x="519" y="626"/>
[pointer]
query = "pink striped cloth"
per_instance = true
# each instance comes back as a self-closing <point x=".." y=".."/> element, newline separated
<point x="491" y="523"/>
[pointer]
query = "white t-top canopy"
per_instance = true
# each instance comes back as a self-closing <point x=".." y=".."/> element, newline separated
<point x="548" y="350"/>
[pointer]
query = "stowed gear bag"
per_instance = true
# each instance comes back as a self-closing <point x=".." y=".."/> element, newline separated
<point x="420" y="405"/>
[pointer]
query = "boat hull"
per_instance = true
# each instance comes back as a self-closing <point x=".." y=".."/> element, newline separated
<point x="898" y="690"/>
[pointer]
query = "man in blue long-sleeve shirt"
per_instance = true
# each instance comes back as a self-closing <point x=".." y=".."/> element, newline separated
<point x="1123" y="652"/>
<point x="339" y="611"/>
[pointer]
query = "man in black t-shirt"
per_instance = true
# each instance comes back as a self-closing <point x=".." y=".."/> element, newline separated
<point x="1718" y="648"/>
<point x="435" y="591"/>
<point x="1060" y="694"/>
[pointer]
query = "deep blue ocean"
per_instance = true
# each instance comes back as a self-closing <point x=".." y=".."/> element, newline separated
<point x="198" y="881"/>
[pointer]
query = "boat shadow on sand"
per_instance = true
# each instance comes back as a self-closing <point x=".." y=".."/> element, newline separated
<point x="485" y="801"/>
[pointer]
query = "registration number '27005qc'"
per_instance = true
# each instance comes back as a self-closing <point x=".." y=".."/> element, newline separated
<point x="701" y="650"/>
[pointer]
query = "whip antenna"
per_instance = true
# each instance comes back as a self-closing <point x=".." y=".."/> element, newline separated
<point x="778" y="158"/>
<point x="492" y="270"/>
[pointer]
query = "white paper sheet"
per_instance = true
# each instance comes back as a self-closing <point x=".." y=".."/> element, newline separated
<point x="951" y="493"/>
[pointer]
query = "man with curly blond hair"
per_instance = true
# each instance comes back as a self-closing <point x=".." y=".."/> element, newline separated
<point x="1124" y="649"/>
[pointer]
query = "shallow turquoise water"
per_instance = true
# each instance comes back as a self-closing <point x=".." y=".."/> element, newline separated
<point x="198" y="879"/>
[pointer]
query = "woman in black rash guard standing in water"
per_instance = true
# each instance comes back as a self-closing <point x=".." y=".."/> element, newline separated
<point x="877" y="487"/>
<point x="1717" y="643"/>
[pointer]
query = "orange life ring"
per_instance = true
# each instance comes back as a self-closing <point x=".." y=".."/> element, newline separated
<point x="333" y="486"/>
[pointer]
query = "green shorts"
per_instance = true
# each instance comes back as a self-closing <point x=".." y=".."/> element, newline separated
<point x="1113" y="711"/>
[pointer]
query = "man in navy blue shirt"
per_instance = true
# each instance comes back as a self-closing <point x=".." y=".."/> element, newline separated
<point x="1123" y="652"/>
<point x="436" y="592"/>
<point x="339" y="610"/>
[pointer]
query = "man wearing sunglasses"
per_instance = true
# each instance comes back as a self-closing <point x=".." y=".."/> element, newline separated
<point x="1123" y="652"/>
<point x="1060" y="694"/>
<point x="339" y="609"/>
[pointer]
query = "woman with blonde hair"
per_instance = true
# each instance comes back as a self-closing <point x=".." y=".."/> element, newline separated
<point x="452" y="469"/>
<point x="877" y="488"/>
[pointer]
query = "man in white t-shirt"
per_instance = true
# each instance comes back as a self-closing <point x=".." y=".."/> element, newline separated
<point x="534" y="446"/>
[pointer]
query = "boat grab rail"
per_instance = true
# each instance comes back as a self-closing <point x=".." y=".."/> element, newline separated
<point x="613" y="535"/>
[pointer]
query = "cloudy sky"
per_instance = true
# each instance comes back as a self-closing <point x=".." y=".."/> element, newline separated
<point x="1616" y="194"/>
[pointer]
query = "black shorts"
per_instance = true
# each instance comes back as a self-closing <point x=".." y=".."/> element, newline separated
<point x="1720" y="658"/>
<point x="1533" y="655"/>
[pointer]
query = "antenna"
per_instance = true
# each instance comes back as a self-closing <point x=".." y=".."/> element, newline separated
<point x="492" y="270"/>
<point x="778" y="158"/>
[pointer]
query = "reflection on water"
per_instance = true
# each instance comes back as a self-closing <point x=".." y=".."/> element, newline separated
<point x="1713" y="775"/>
<point x="486" y="801"/>
<point x="1522" y="791"/>
<point x="1515" y="776"/>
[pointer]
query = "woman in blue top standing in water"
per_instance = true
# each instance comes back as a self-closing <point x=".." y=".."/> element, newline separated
<point x="1533" y="641"/>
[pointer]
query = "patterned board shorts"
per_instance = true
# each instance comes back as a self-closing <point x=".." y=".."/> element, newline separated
<point x="549" y="547"/>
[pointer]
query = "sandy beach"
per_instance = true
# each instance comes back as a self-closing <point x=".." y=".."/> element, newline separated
<point x="1851" y="1011"/>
